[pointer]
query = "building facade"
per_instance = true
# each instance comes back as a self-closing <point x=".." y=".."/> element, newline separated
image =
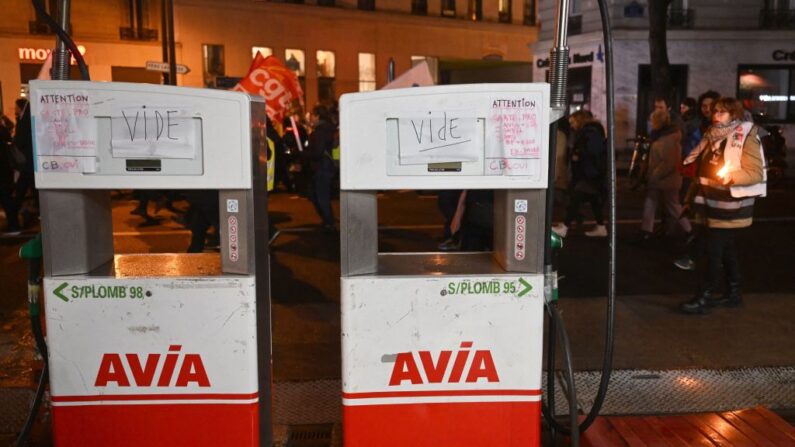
<point x="336" y="46"/>
<point x="741" y="48"/>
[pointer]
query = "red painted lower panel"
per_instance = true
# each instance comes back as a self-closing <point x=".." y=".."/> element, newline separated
<point x="156" y="425"/>
<point x="443" y="424"/>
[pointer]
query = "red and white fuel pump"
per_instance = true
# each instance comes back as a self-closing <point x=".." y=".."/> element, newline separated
<point x="442" y="349"/>
<point x="153" y="349"/>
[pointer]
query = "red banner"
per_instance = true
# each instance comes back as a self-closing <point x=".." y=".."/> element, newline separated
<point x="269" y="78"/>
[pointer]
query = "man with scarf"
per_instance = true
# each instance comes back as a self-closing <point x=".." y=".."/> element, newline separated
<point x="729" y="168"/>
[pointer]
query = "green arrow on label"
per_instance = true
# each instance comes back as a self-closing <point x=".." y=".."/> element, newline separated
<point x="58" y="291"/>
<point x="527" y="287"/>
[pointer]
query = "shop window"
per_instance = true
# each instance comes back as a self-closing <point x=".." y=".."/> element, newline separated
<point x="448" y="8"/>
<point x="213" y="63"/>
<point x="419" y="7"/>
<point x="137" y="20"/>
<point x="265" y="51"/>
<point x="366" y="72"/>
<point x="768" y="91"/>
<point x="504" y="10"/>
<point x="475" y="12"/>
<point x="367" y="5"/>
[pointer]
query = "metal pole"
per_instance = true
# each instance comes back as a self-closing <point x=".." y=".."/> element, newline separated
<point x="61" y="57"/>
<point x="172" y="57"/>
<point x="164" y="37"/>
<point x="559" y="57"/>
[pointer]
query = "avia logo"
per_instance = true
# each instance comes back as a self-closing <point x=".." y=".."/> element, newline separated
<point x="191" y="370"/>
<point x="407" y="368"/>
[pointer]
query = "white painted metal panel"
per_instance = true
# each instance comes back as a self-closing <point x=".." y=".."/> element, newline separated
<point x="377" y="131"/>
<point x="94" y="320"/>
<point x="202" y="137"/>
<point x="388" y="322"/>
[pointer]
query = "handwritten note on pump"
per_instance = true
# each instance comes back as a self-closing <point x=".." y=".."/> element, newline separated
<point x="438" y="137"/>
<point x="513" y="135"/>
<point x="64" y="123"/>
<point x="153" y="131"/>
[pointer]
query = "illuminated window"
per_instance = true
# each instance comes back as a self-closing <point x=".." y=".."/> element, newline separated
<point x="530" y="16"/>
<point x="504" y="8"/>
<point x="366" y="72"/>
<point x="325" y="64"/>
<point x="294" y="60"/>
<point x="266" y="51"/>
<point x="768" y="91"/>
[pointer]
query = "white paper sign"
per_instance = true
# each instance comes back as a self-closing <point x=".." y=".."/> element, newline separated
<point x="513" y="135"/>
<point x="153" y="132"/>
<point x="64" y="123"/>
<point x="438" y="137"/>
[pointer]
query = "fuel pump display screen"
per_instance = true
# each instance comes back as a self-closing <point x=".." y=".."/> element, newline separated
<point x="143" y="165"/>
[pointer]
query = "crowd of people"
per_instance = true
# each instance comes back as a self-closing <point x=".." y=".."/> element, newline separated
<point x="17" y="188"/>
<point x="704" y="168"/>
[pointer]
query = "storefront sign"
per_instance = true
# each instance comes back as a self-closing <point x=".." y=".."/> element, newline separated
<point x="783" y="55"/>
<point x="576" y="58"/>
<point x="40" y="54"/>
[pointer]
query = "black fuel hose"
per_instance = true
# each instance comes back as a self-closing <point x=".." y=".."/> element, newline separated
<point x="607" y="360"/>
<point x="65" y="38"/>
<point x="34" y="286"/>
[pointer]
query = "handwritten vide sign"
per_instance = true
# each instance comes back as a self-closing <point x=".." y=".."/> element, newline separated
<point x="438" y="137"/>
<point x="513" y="135"/>
<point x="64" y="123"/>
<point x="153" y="131"/>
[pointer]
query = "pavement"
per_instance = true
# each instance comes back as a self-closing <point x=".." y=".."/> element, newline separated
<point x="651" y="336"/>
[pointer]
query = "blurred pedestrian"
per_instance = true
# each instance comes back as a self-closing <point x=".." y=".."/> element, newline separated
<point x="9" y="162"/>
<point x="448" y="203"/>
<point x="588" y="163"/>
<point x="705" y="101"/>
<point x="202" y="214"/>
<point x="663" y="178"/>
<point x="321" y="164"/>
<point x="730" y="166"/>
<point x="23" y="140"/>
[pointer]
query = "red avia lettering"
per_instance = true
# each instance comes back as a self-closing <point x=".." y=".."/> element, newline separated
<point x="191" y="370"/>
<point x="407" y="369"/>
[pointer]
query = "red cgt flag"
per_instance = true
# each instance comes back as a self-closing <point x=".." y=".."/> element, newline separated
<point x="269" y="78"/>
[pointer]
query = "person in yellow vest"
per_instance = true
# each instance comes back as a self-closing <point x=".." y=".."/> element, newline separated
<point x="730" y="174"/>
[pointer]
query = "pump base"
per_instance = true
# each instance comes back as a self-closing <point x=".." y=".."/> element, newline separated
<point x="443" y="424"/>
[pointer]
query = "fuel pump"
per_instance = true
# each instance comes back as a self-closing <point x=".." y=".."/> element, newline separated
<point x="153" y="349"/>
<point x="445" y="348"/>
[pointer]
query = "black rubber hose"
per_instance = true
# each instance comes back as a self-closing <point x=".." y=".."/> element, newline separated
<point x="64" y="36"/>
<point x="607" y="360"/>
<point x="572" y="430"/>
<point x="548" y="266"/>
<point x="24" y="435"/>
